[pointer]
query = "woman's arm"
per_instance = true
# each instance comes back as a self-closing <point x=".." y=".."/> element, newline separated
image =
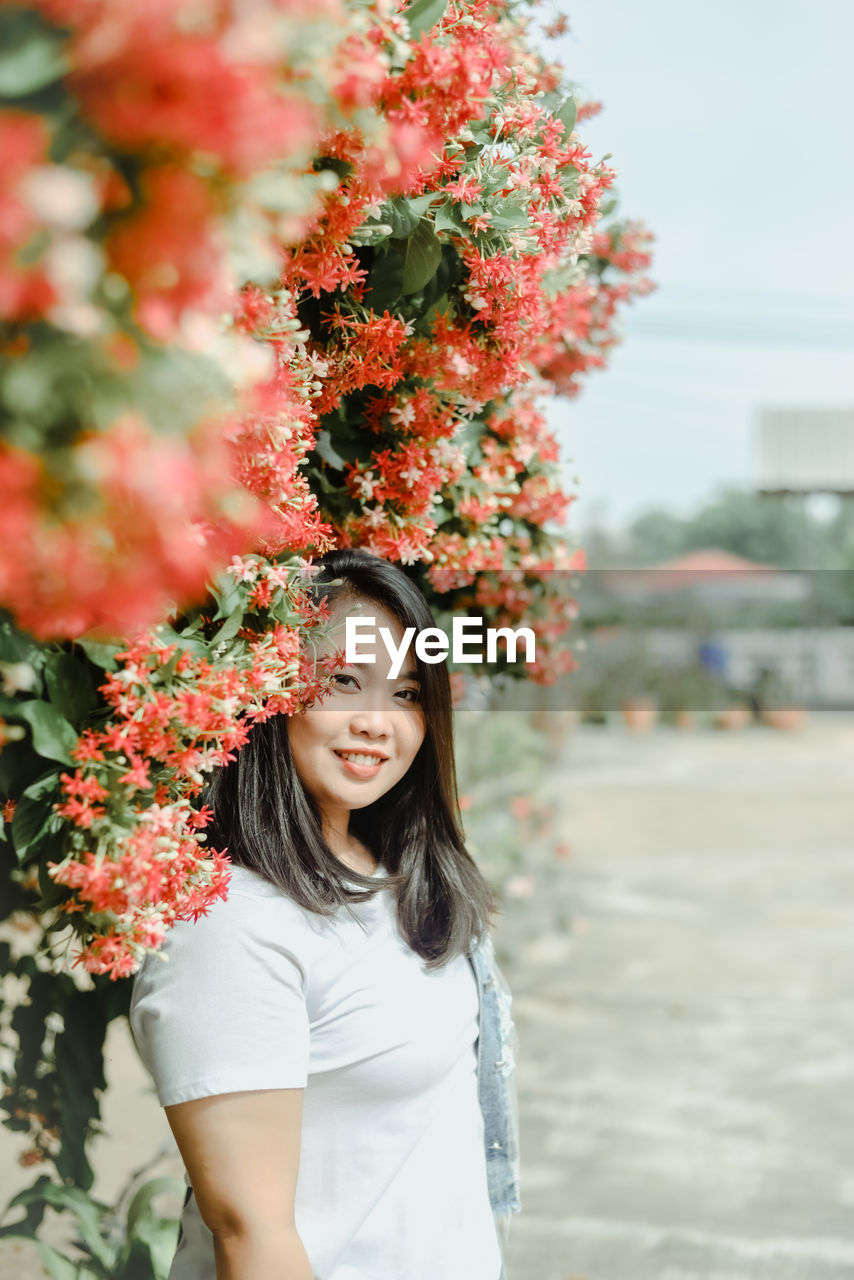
<point x="241" y="1152"/>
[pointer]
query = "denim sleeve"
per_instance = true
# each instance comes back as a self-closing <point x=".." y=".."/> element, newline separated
<point x="497" y="1050"/>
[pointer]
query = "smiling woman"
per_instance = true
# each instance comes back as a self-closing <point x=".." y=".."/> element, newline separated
<point x="332" y="1044"/>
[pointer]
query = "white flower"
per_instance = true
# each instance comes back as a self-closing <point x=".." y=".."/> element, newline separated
<point x="403" y="414"/>
<point x="365" y="485"/>
<point x="459" y="363"/>
<point x="74" y="266"/>
<point x="520" y="887"/>
<point x="17" y="677"/>
<point x="374" y="517"/>
<point x="243" y="569"/>
<point x="60" y="196"/>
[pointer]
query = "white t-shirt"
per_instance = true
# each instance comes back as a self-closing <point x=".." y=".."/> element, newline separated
<point x="262" y="994"/>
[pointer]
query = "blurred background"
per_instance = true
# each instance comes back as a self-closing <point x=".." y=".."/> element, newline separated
<point x="680" y="944"/>
<point x="728" y="128"/>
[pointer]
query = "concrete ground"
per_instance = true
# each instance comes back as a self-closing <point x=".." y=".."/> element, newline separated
<point x="687" y="1047"/>
<point x="687" y="1036"/>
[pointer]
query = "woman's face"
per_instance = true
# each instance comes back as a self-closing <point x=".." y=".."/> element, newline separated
<point x="356" y="742"/>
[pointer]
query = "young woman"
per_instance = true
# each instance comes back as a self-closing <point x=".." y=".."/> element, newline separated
<point x="332" y="1044"/>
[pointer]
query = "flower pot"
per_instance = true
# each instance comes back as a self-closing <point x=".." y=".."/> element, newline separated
<point x="735" y="717"/>
<point x="684" y="719"/>
<point x="554" y="724"/>
<point x="784" y="717"/>
<point x="640" y="714"/>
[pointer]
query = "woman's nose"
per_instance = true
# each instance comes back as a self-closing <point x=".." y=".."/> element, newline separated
<point x="372" y="720"/>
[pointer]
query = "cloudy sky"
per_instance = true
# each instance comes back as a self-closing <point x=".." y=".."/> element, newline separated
<point x="730" y="127"/>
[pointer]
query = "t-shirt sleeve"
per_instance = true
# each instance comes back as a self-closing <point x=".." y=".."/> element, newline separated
<point x="226" y="1011"/>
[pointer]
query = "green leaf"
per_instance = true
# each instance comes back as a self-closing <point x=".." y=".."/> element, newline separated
<point x="31" y="63"/>
<point x="56" y="1264"/>
<point x="422" y="15"/>
<point x="567" y="113"/>
<point x="448" y="218"/>
<point x="350" y="442"/>
<point x="420" y="204"/>
<point x="34" y="816"/>
<point x="141" y="1202"/>
<point x="102" y="655"/>
<point x="86" y="1210"/>
<point x="401" y="217"/>
<point x="325" y="448"/>
<point x="509" y="219"/>
<point x="79" y="1064"/>
<point x="53" y="736"/>
<point x="186" y="639"/>
<point x="232" y="625"/>
<point x="70" y="686"/>
<point x="147" y="1230"/>
<point x="422" y="257"/>
<point x="440" y="307"/>
<point x="17" y="646"/>
<point x="482" y="133"/>
<point x="386" y="280"/>
<point x="136" y="1262"/>
<point x="229" y="597"/>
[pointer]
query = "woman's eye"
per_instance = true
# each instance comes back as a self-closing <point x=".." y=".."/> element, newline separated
<point x="340" y="677"/>
<point x="409" y="695"/>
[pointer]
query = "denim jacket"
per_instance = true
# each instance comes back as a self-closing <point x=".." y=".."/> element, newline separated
<point x="496" y="1072"/>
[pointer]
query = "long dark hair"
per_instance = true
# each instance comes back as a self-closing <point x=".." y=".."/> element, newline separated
<point x="270" y="823"/>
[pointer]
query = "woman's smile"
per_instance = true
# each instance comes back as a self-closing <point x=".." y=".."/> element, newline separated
<point x="361" y="764"/>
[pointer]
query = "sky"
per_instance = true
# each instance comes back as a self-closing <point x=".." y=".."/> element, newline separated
<point x="729" y="127"/>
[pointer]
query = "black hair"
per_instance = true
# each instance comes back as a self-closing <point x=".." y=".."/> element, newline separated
<point x="268" y="821"/>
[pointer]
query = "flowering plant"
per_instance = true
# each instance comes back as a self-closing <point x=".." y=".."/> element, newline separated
<point x="156" y="158"/>
<point x="272" y="279"/>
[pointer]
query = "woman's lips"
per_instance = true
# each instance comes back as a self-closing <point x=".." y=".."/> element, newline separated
<point x="360" y="770"/>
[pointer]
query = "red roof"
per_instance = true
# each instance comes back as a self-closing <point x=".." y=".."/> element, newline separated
<point x="713" y="560"/>
<point x="699" y="568"/>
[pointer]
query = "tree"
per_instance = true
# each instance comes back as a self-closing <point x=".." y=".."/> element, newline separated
<point x="768" y="530"/>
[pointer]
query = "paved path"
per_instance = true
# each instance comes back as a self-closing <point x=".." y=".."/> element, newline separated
<point x="687" y="1066"/>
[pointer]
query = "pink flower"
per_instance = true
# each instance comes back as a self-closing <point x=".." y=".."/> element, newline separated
<point x="520" y="887"/>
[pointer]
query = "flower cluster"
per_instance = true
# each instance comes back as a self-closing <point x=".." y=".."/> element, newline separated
<point x="180" y="705"/>
<point x="443" y="313"/>
<point x="156" y="159"/>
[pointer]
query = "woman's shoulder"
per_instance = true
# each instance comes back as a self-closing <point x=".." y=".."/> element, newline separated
<point x="247" y="883"/>
<point x="254" y="914"/>
<point x="249" y="896"/>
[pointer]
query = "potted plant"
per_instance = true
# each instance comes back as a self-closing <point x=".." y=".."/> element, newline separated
<point x="593" y="703"/>
<point x="732" y="707"/>
<point x="737" y="715"/>
<point x="639" y="699"/>
<point x="775" y="701"/>
<point x="688" y="693"/>
<point x="678" y="696"/>
<point x="640" y="712"/>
